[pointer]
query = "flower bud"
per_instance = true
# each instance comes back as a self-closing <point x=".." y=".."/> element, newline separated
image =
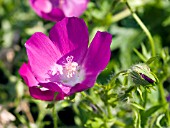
<point x="141" y="74"/>
<point x="168" y="98"/>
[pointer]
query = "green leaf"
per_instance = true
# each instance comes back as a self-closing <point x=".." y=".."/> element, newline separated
<point x="159" y="119"/>
<point x="149" y="112"/>
<point x="157" y="80"/>
<point x="144" y="51"/>
<point x="137" y="121"/>
<point x="151" y="60"/>
<point x="137" y="106"/>
<point x="140" y="93"/>
<point x="142" y="57"/>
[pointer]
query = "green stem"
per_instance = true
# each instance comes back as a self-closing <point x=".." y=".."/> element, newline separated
<point x="168" y="114"/>
<point x="109" y="111"/>
<point x="125" y="13"/>
<point x="116" y="75"/>
<point x="163" y="101"/>
<point x="144" y="28"/>
<point x="161" y="93"/>
<point x="145" y="98"/>
<point x="54" y="112"/>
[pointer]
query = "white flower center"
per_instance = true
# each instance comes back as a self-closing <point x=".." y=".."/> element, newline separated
<point x="70" y="73"/>
<point x="70" y="68"/>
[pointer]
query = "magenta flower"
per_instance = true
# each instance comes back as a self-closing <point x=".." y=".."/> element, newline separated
<point x="55" y="10"/>
<point x="63" y="62"/>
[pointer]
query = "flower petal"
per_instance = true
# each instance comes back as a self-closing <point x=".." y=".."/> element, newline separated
<point x="87" y="83"/>
<point x="45" y="9"/>
<point x="55" y="15"/>
<point x="99" y="53"/>
<point x="43" y="5"/>
<point x="44" y="95"/>
<point x="27" y="75"/>
<point x="74" y="7"/>
<point x="37" y="10"/>
<point x="56" y="87"/>
<point x="70" y="34"/>
<point x="42" y="55"/>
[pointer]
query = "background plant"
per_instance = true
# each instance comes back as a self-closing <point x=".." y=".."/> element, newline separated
<point x="141" y="34"/>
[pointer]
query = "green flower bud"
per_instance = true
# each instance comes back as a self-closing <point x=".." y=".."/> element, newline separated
<point x="141" y="74"/>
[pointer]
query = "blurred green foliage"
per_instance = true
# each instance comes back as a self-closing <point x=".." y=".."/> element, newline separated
<point x="100" y="106"/>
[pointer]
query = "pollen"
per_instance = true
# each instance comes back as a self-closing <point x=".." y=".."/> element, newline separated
<point x="70" y="67"/>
